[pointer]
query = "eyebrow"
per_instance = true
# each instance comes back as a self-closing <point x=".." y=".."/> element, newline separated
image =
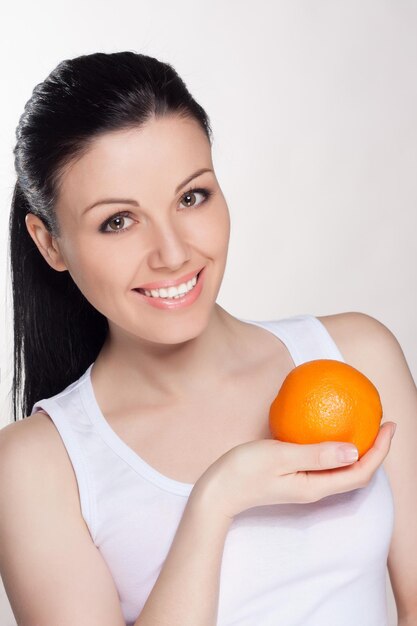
<point x="134" y="203"/>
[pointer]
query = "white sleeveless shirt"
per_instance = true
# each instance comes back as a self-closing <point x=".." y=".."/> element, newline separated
<point x="315" y="564"/>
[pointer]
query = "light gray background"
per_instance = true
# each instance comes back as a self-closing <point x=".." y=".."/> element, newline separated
<point x="313" y="106"/>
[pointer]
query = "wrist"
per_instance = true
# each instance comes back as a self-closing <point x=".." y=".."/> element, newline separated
<point x="203" y="499"/>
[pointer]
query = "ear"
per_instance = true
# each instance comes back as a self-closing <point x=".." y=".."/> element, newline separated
<point x="45" y="243"/>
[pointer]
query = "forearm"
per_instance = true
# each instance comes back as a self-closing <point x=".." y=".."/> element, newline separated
<point x="186" y="592"/>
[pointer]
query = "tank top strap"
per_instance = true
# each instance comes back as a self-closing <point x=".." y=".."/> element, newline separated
<point x="305" y="337"/>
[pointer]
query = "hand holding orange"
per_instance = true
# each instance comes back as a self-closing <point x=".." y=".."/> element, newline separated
<point x="326" y="400"/>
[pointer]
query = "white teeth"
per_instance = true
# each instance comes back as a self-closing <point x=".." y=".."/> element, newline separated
<point x="172" y="292"/>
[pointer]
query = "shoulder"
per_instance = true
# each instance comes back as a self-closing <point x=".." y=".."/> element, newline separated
<point x="365" y="342"/>
<point x="34" y="435"/>
<point x="32" y="453"/>
<point x="354" y="330"/>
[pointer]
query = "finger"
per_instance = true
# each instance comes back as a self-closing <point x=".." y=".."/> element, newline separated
<point x="317" y="456"/>
<point x="354" y="476"/>
<point x="331" y="454"/>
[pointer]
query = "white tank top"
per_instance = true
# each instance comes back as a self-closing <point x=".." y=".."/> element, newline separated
<point x="315" y="564"/>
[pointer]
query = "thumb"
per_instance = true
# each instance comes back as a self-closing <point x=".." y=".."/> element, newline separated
<point x="334" y="454"/>
<point x="317" y="456"/>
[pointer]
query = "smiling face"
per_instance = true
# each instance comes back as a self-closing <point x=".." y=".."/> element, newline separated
<point x="158" y="230"/>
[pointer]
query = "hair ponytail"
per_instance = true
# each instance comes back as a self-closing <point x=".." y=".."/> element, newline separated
<point x="56" y="332"/>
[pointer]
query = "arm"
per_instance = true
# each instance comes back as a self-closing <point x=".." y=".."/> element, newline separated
<point x="51" y="569"/>
<point x="372" y="348"/>
<point x="187" y="589"/>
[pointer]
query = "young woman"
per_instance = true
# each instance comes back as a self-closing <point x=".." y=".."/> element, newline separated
<point x="143" y="486"/>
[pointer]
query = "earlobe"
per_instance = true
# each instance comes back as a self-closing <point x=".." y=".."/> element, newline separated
<point x="45" y="242"/>
<point x="55" y="259"/>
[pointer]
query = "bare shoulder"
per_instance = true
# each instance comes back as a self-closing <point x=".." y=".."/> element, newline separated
<point x="353" y="331"/>
<point x="36" y="435"/>
<point x="34" y="450"/>
<point x="39" y="423"/>
<point x="369" y="345"/>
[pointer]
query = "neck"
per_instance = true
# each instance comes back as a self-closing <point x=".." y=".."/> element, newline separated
<point x="170" y="372"/>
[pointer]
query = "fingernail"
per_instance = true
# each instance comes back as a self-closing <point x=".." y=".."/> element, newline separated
<point x="347" y="454"/>
<point x="393" y="430"/>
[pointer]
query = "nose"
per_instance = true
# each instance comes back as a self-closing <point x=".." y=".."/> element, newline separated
<point x="169" y="248"/>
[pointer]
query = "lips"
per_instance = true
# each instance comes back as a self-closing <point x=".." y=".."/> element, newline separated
<point x="170" y="283"/>
<point x="173" y="304"/>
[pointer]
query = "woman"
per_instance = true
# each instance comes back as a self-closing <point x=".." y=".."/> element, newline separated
<point x="145" y="487"/>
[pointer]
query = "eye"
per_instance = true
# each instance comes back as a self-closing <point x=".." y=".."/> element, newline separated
<point x="117" y="217"/>
<point x="188" y="198"/>
<point x="191" y="193"/>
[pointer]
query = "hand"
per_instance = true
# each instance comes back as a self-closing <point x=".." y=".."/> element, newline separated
<point x="269" y="471"/>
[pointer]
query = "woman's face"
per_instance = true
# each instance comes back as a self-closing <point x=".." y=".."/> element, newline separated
<point x="158" y="230"/>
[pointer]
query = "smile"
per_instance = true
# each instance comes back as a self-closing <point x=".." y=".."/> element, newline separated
<point x="171" y="292"/>
<point x="174" y="297"/>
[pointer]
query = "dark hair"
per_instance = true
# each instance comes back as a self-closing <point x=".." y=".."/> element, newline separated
<point x="57" y="332"/>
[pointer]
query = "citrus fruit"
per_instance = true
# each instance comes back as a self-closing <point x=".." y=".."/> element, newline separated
<point x="326" y="400"/>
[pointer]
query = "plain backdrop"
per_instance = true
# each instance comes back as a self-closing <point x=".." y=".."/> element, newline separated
<point x="313" y="106"/>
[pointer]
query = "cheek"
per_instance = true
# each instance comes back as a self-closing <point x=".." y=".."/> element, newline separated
<point x="96" y="273"/>
<point x="214" y="230"/>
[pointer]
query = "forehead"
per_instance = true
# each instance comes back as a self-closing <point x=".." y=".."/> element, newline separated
<point x="162" y="152"/>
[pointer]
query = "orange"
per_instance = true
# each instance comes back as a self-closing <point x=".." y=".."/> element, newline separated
<point x="326" y="400"/>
